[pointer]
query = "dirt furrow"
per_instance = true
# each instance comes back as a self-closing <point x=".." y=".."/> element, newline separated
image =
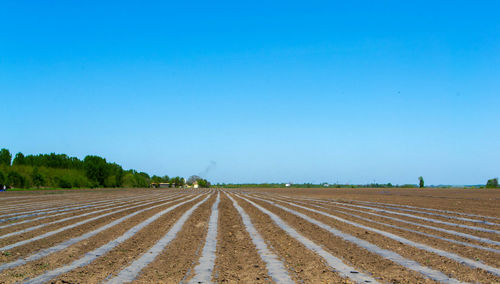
<point x="41" y="242"/>
<point x="58" y="208"/>
<point x="202" y="272"/>
<point x="479" y="202"/>
<point x="464" y="242"/>
<point x="303" y="264"/>
<point x="424" y="209"/>
<point x="432" y="260"/>
<point x="72" y="249"/>
<point x="485" y="237"/>
<point x="252" y="251"/>
<point x="30" y="225"/>
<point x="479" y="221"/>
<point x="45" y="232"/>
<point x="176" y="261"/>
<point x="473" y="228"/>
<point x="132" y="271"/>
<point x="98" y="263"/>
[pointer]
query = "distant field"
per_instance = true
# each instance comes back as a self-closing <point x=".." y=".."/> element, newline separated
<point x="250" y="236"/>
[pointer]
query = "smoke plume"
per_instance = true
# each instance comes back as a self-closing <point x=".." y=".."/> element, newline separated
<point x="208" y="169"/>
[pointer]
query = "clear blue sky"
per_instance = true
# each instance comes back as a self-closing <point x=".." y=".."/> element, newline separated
<point x="347" y="91"/>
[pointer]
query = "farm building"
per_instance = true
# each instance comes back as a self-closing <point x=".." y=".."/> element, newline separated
<point x="161" y="185"/>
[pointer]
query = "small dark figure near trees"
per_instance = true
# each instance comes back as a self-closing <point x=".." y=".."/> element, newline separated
<point x="421" y="182"/>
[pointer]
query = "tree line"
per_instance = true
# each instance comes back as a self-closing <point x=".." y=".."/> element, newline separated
<point x="61" y="171"/>
<point x="491" y="183"/>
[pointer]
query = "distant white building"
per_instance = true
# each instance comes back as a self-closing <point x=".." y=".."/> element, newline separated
<point x="195" y="184"/>
<point x="288" y="185"/>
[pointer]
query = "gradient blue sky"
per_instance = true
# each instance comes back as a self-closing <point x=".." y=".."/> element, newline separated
<point x="272" y="91"/>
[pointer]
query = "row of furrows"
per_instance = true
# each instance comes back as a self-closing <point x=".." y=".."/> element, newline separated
<point x="479" y="238"/>
<point x="247" y="238"/>
<point x="25" y="259"/>
<point x="54" y="214"/>
<point x="15" y="218"/>
<point x="426" y="249"/>
<point x="43" y="230"/>
<point x="47" y="202"/>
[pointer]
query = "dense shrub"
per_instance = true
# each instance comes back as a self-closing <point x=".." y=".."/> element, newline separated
<point x="37" y="178"/>
<point x="203" y="183"/>
<point x="128" y="180"/>
<point x="17" y="180"/>
<point x="492" y="183"/>
<point x="64" y="182"/>
<point x="2" y="180"/>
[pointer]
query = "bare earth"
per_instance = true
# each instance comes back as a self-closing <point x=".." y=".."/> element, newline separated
<point x="304" y="236"/>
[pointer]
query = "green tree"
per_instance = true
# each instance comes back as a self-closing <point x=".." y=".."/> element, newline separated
<point x="156" y="179"/>
<point x="203" y="183"/>
<point x="37" y="178"/>
<point x="64" y="181"/>
<point x="421" y="182"/>
<point x="96" y="169"/>
<point x="177" y="181"/>
<point x="141" y="179"/>
<point x="165" y="178"/>
<point x="5" y="157"/>
<point x="129" y="180"/>
<point x="18" y="159"/>
<point x="492" y="183"/>
<point x="16" y="180"/>
<point x="115" y="177"/>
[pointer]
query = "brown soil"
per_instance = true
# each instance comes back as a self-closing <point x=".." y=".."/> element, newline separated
<point x="177" y="260"/>
<point x="52" y="218"/>
<point x="303" y="264"/>
<point x="457" y="248"/>
<point x="122" y="255"/>
<point x="237" y="259"/>
<point x="54" y="239"/>
<point x="351" y="254"/>
<point x="77" y="250"/>
<point x="443" y="264"/>
<point x="476" y="201"/>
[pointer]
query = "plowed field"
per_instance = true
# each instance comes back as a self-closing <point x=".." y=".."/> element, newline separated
<point x="250" y="236"/>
